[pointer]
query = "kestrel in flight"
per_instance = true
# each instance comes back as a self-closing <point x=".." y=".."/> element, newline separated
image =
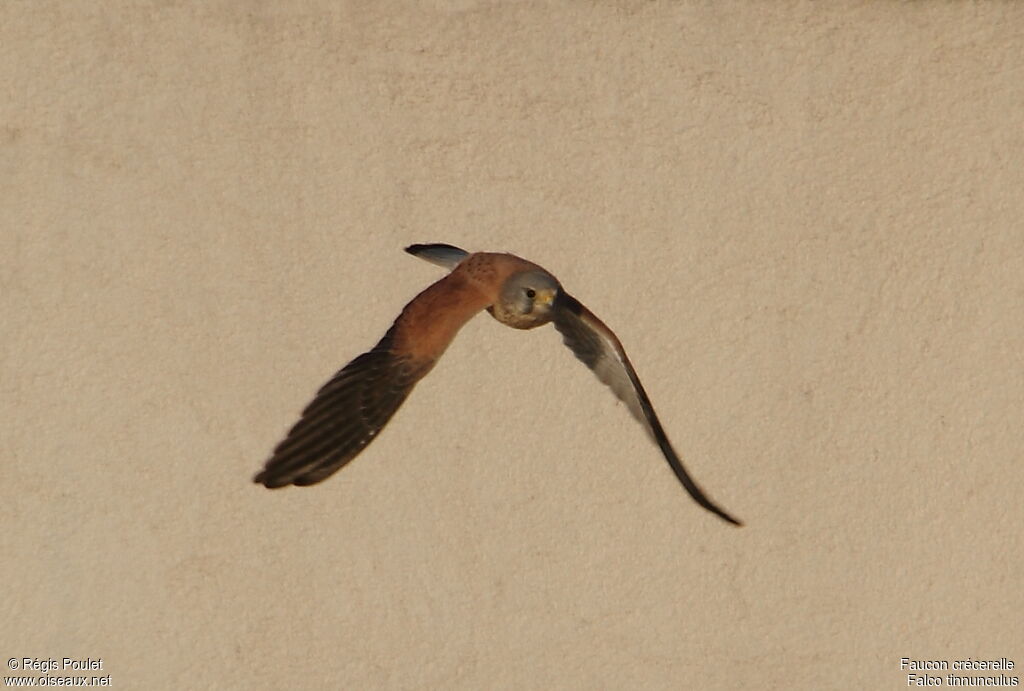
<point x="350" y="410"/>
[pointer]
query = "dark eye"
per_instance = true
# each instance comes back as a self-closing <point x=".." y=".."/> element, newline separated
<point x="531" y="293"/>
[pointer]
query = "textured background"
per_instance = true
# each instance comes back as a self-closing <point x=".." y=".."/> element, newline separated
<point x="802" y="219"/>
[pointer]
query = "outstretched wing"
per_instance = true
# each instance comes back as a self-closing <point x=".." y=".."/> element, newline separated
<point x="347" y="414"/>
<point x="599" y="349"/>
<point x="350" y="410"/>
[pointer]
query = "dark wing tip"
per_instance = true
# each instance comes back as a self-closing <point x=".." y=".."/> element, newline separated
<point x="345" y="416"/>
<point x="726" y="517"/>
<point x="264" y="478"/>
<point x="691" y="486"/>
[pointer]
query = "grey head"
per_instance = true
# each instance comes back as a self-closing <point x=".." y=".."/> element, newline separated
<point x="527" y="299"/>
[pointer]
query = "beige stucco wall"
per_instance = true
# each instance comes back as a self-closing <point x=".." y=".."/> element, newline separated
<point x="803" y="220"/>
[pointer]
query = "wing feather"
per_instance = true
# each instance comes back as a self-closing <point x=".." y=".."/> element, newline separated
<point x="350" y="410"/>
<point x="598" y="348"/>
<point x="347" y="414"/>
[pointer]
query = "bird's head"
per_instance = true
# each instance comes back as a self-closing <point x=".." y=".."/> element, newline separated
<point x="526" y="299"/>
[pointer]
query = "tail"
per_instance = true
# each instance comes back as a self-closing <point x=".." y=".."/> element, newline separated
<point x="438" y="253"/>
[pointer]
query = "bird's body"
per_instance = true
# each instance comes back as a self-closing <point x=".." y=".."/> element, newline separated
<point x="430" y="321"/>
<point x="350" y="410"/>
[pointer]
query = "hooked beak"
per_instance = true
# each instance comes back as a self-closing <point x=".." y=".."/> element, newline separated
<point x="545" y="297"/>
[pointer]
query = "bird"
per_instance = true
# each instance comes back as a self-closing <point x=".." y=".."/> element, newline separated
<point x="350" y="410"/>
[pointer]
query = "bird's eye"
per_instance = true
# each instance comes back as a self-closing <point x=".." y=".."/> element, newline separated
<point x="531" y="293"/>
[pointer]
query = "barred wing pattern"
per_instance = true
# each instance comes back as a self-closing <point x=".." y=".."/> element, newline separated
<point x="347" y="414"/>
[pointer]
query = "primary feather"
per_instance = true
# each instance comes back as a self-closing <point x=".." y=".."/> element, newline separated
<point x="348" y="412"/>
<point x="598" y="348"/>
